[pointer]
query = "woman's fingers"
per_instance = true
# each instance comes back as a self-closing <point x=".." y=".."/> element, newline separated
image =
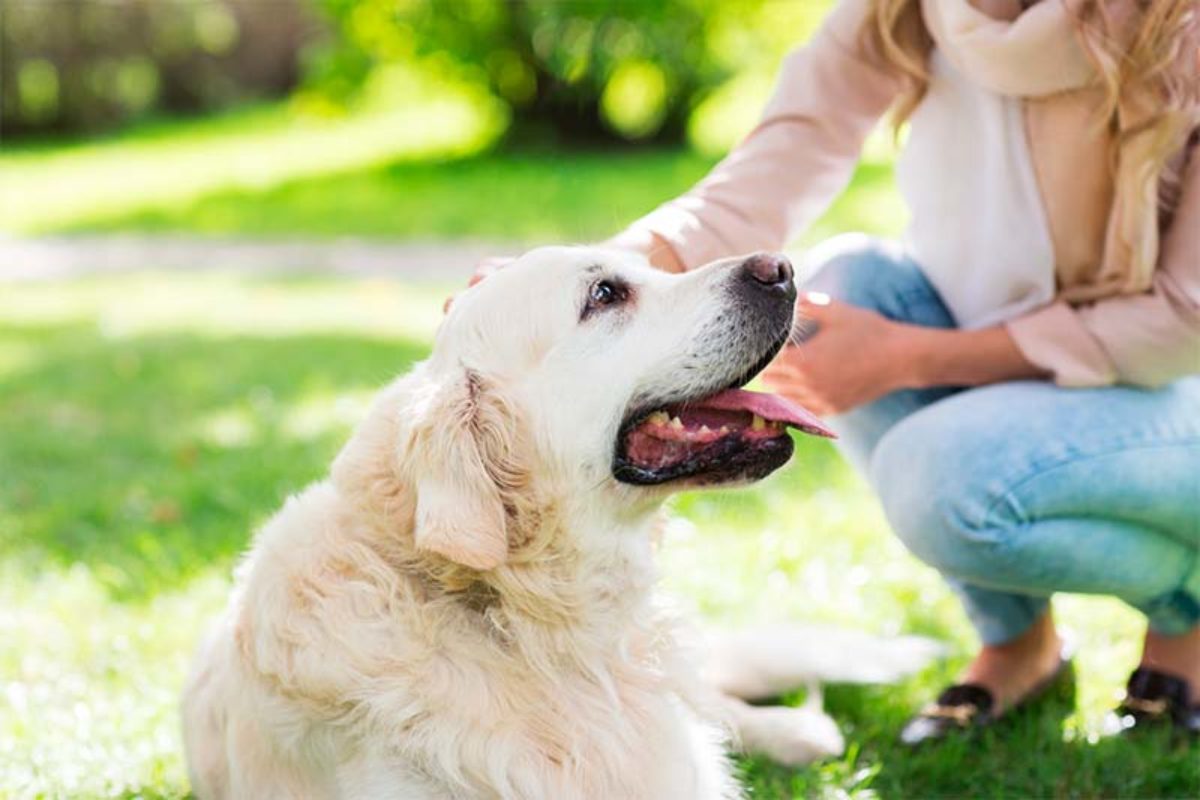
<point x="816" y="306"/>
<point x="487" y="267"/>
<point x="483" y="269"/>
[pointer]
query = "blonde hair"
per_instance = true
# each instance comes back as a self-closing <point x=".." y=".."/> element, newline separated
<point x="1146" y="63"/>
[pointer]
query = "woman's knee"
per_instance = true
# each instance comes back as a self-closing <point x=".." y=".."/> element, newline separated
<point x="939" y="496"/>
<point x="866" y="272"/>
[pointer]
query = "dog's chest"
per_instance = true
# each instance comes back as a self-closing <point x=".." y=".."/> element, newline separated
<point x="594" y="722"/>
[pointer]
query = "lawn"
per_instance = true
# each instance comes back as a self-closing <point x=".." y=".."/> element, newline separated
<point x="270" y="172"/>
<point x="151" y="421"/>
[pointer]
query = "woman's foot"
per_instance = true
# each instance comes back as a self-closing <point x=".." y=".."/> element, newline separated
<point x="1011" y="671"/>
<point x="1174" y="655"/>
<point x="998" y="679"/>
<point x="1165" y="687"/>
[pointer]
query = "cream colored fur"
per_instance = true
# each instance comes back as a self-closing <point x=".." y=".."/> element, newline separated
<point x="466" y="606"/>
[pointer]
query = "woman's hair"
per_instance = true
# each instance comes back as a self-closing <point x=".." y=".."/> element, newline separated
<point x="895" y="32"/>
<point x="1147" y="61"/>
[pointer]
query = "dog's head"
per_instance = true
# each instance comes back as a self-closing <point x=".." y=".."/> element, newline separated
<point x="585" y="372"/>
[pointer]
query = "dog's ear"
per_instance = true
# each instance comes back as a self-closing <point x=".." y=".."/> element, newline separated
<point x="464" y="462"/>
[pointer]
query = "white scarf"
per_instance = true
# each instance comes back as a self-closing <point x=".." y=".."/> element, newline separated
<point x="1038" y="52"/>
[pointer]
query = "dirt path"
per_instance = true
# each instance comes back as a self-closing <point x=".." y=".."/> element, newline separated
<point x="53" y="258"/>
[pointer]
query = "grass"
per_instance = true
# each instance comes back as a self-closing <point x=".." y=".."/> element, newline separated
<point x="415" y="173"/>
<point x="167" y="166"/>
<point x="152" y="421"/>
<point x="580" y="196"/>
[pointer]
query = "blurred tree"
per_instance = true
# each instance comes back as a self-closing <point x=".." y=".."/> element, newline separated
<point x="82" y="65"/>
<point x="582" y="69"/>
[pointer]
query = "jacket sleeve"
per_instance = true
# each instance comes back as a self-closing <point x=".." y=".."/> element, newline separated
<point x="828" y="97"/>
<point x="1146" y="339"/>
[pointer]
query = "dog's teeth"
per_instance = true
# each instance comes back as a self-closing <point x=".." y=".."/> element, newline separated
<point x="704" y="430"/>
<point x="724" y="430"/>
<point x="658" y="418"/>
<point x="758" y="423"/>
<point x="677" y="423"/>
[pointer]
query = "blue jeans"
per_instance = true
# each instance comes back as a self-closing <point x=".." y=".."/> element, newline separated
<point x="1018" y="490"/>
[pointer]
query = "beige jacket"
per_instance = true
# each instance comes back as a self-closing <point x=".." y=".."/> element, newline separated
<point x="1097" y="322"/>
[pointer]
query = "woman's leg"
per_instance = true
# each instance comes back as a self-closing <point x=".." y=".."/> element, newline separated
<point x="1022" y="489"/>
<point x="876" y="274"/>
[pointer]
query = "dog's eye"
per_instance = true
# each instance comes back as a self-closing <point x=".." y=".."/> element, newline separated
<point x="603" y="294"/>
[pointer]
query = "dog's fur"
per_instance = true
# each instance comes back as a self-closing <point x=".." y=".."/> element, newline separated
<point x="466" y="607"/>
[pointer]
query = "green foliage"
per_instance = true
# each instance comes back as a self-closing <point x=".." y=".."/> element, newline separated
<point x="630" y="69"/>
<point x="86" y="65"/>
<point x="153" y="421"/>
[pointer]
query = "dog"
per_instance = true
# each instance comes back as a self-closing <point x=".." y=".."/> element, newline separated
<point x="466" y="607"/>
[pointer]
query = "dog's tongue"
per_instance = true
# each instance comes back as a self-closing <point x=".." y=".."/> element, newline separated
<point x="768" y="406"/>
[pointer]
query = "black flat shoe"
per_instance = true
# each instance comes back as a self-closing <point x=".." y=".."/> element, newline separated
<point x="1154" y="698"/>
<point x="966" y="707"/>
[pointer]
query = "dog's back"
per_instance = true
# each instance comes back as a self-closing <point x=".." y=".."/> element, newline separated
<point x="229" y="728"/>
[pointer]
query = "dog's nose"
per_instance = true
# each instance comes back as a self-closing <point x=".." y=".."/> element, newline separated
<point x="772" y="271"/>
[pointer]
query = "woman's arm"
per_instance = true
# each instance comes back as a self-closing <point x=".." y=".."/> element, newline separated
<point x="828" y="97"/>
<point x="857" y="356"/>
<point x="934" y="357"/>
<point x="1145" y="339"/>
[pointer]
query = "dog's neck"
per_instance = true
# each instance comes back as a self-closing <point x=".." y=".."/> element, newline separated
<point x="589" y="611"/>
<point x="579" y="569"/>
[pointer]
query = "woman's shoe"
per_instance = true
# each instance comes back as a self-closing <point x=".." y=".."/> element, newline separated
<point x="1153" y="698"/>
<point x="966" y="707"/>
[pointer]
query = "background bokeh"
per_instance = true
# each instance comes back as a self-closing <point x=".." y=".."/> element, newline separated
<point x="632" y="70"/>
<point x="225" y="223"/>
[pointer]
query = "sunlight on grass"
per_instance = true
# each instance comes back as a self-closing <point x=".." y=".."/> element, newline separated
<point x="322" y="414"/>
<point x="218" y="303"/>
<point x="419" y="172"/>
<point x="311" y="417"/>
<point x="580" y="196"/>
<point x="45" y="188"/>
<point x="15" y="356"/>
<point x="88" y="704"/>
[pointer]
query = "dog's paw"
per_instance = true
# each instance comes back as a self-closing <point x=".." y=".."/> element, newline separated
<point x="790" y="736"/>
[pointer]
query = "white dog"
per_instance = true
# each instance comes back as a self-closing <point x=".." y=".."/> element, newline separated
<point x="466" y="608"/>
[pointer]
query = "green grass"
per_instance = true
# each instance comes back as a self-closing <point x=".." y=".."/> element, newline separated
<point x="151" y="421"/>
<point x="512" y="195"/>
<point x="167" y="166"/>
<point x="420" y="172"/>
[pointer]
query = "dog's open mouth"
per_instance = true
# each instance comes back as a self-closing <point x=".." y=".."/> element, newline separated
<point x="731" y="435"/>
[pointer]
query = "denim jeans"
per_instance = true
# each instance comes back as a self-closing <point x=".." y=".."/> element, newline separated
<point x="1018" y="490"/>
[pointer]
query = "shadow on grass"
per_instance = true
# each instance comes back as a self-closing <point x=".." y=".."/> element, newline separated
<point x="149" y="459"/>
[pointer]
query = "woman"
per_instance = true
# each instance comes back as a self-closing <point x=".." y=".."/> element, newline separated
<point x="1013" y="381"/>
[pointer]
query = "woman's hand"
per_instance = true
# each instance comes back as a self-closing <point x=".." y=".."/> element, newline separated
<point x="483" y="269"/>
<point x="855" y="356"/>
<point x="488" y="266"/>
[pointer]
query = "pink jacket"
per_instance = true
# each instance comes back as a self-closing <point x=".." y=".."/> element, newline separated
<point x="1094" y="322"/>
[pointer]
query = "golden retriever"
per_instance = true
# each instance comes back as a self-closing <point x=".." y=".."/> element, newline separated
<point x="466" y="607"/>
